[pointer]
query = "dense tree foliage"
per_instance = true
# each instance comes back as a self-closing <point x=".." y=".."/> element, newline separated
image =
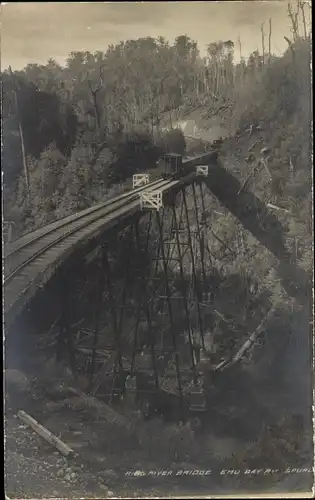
<point x="44" y="118"/>
<point x="104" y="116"/>
<point x="130" y="86"/>
<point x="104" y="108"/>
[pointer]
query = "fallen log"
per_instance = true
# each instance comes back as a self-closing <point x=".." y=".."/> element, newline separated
<point x="221" y="365"/>
<point x="270" y="205"/>
<point x="264" y="162"/>
<point x="99" y="352"/>
<point x="252" y="172"/>
<point x="248" y="344"/>
<point x="45" y="433"/>
<point x="254" y="144"/>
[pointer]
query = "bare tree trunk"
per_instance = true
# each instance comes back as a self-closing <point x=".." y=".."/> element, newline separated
<point x="263" y="43"/>
<point x="97" y="113"/>
<point x="94" y="93"/>
<point x="269" y="40"/>
<point x="24" y="158"/>
<point x="240" y="47"/>
<point x="170" y="116"/>
<point x="292" y="50"/>
<point x="294" y="20"/>
<point x="206" y="78"/>
<point x="152" y="125"/>
<point x="302" y="4"/>
<point x="217" y="77"/>
<point x="241" y="59"/>
<point x="158" y="129"/>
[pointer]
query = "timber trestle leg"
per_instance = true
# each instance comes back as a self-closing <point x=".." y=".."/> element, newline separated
<point x="197" y="290"/>
<point x="65" y="344"/>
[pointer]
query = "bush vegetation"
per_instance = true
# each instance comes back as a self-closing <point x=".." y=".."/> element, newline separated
<point x="99" y="120"/>
<point x="95" y="120"/>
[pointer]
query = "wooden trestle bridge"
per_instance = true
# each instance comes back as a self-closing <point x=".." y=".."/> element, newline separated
<point x="149" y="282"/>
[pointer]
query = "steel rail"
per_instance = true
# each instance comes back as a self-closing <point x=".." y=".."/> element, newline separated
<point x="113" y="206"/>
<point x="40" y="233"/>
<point x="74" y="217"/>
<point x="48" y="251"/>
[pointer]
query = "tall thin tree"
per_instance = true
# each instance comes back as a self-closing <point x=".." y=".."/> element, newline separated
<point x="263" y="43"/>
<point x="302" y="4"/>
<point x="21" y="134"/>
<point x="269" y="40"/>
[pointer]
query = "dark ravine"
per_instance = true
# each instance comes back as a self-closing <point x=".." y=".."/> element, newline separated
<point x="247" y="207"/>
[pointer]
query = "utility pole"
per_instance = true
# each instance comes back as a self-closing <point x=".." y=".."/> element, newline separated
<point x="24" y="159"/>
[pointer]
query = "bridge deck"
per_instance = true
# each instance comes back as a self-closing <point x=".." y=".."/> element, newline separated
<point x="32" y="260"/>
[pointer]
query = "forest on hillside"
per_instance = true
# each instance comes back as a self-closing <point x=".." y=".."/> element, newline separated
<point x="106" y="113"/>
<point x="72" y="135"/>
<point x="88" y="126"/>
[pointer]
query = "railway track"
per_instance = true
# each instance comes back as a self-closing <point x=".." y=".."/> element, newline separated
<point x="20" y="251"/>
<point x="32" y="245"/>
<point x="31" y="260"/>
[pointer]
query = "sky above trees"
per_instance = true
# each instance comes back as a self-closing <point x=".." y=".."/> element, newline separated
<point x="34" y="32"/>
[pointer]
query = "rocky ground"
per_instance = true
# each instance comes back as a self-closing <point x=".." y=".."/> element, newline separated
<point x="104" y="448"/>
<point x="35" y="469"/>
